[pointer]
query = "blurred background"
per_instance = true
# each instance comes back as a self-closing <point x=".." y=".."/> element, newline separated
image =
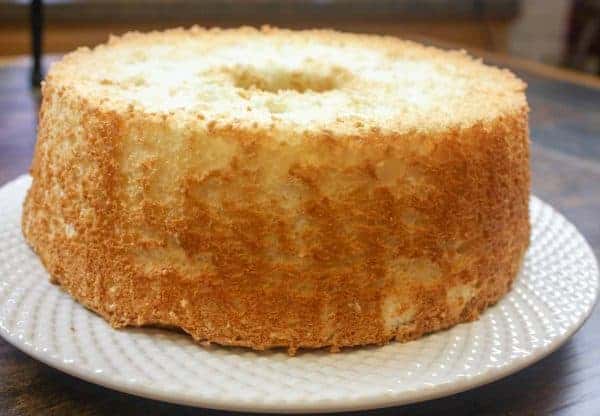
<point x="562" y="33"/>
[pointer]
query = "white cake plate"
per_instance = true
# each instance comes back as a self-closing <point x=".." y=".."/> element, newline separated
<point x="551" y="299"/>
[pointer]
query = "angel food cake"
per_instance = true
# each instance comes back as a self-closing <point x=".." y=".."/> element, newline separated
<point x="273" y="188"/>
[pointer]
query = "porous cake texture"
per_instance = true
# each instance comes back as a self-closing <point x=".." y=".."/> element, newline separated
<point x="266" y="187"/>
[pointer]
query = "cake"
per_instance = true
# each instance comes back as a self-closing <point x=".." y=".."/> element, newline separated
<point x="274" y="188"/>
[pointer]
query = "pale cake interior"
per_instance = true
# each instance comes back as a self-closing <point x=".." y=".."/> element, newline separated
<point x="310" y="81"/>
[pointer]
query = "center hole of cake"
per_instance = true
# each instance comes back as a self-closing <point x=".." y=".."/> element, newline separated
<point x="276" y="79"/>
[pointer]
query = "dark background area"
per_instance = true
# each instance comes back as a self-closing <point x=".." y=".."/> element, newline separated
<point x="555" y="32"/>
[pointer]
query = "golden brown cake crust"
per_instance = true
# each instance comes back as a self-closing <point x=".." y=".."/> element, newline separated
<point x="334" y="238"/>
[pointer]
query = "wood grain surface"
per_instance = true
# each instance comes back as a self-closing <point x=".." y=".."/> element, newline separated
<point x="565" y="129"/>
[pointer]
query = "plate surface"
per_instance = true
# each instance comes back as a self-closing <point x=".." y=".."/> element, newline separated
<point x="551" y="299"/>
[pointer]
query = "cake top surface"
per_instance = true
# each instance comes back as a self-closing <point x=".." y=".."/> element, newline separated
<point x="290" y="80"/>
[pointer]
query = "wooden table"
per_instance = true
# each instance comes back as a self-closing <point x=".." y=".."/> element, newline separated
<point x="565" y="130"/>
